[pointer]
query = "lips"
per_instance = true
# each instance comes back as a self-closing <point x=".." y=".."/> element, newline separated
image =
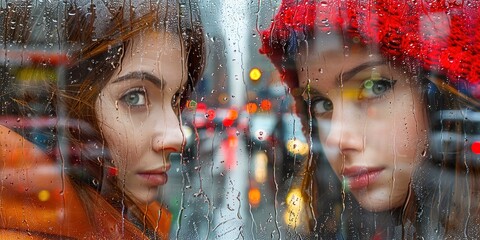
<point x="155" y="177"/>
<point x="361" y="177"/>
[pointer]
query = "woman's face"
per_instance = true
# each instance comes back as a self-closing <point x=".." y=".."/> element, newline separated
<point x="138" y="112"/>
<point x="371" y="119"/>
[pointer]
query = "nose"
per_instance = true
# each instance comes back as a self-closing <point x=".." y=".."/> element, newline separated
<point x="344" y="131"/>
<point x="168" y="136"/>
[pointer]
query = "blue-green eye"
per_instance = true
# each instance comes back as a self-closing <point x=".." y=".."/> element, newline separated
<point x="321" y="106"/>
<point x="135" y="97"/>
<point x="376" y="88"/>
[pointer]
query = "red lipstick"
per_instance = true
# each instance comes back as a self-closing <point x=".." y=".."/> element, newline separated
<point x="361" y="177"/>
<point x="155" y="177"/>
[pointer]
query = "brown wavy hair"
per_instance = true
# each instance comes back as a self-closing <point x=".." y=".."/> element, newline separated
<point x="96" y="55"/>
<point x="94" y="35"/>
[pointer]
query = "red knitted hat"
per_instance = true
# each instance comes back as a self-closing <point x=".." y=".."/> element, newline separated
<point x="442" y="36"/>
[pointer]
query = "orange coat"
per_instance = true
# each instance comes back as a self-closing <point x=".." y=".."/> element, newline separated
<point x="38" y="201"/>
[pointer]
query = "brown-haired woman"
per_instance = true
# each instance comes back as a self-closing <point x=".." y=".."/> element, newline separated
<point x="390" y="88"/>
<point x="131" y="66"/>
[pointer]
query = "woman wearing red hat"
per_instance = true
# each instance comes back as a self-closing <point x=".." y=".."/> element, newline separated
<point x="129" y="70"/>
<point x="374" y="80"/>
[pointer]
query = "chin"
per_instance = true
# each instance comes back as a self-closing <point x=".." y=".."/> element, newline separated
<point x="375" y="207"/>
<point x="145" y="197"/>
<point x="377" y="204"/>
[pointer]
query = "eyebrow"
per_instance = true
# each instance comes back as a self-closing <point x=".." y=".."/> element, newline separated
<point x="160" y="83"/>
<point x="345" y="76"/>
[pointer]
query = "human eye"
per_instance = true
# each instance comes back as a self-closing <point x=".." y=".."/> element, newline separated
<point x="375" y="88"/>
<point x="321" y="106"/>
<point x="136" y="97"/>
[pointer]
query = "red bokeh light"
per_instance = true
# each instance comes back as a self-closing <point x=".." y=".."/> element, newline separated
<point x="476" y="147"/>
<point x="210" y="114"/>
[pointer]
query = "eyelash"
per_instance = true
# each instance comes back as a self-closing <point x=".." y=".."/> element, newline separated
<point x="140" y="92"/>
<point x="371" y="84"/>
<point x="327" y="105"/>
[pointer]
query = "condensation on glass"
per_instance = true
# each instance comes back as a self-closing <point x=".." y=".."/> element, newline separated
<point x="237" y="119"/>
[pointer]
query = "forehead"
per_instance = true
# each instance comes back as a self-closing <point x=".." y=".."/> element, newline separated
<point x="153" y="41"/>
<point x="323" y="60"/>
<point x="153" y="50"/>
<point x="156" y="53"/>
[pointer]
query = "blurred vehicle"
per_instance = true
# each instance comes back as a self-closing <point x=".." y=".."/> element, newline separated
<point x="456" y="133"/>
<point x="34" y="186"/>
<point x="48" y="134"/>
<point x="28" y="76"/>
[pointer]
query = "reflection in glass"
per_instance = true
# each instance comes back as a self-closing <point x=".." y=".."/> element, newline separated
<point x="389" y="90"/>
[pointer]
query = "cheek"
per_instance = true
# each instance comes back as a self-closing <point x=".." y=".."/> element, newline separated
<point x="117" y="141"/>
<point x="398" y="124"/>
<point x="115" y="130"/>
<point x="411" y="134"/>
<point x="323" y="127"/>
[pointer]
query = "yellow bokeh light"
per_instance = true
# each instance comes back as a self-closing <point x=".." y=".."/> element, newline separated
<point x="292" y="218"/>
<point x="296" y="146"/>
<point x="44" y="195"/>
<point x="255" y="74"/>
<point x="261" y="167"/>
<point x="294" y="201"/>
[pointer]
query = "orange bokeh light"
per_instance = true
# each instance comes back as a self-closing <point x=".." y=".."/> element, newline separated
<point x="266" y="105"/>
<point x="254" y="196"/>
<point x="251" y="107"/>
<point x="232" y="114"/>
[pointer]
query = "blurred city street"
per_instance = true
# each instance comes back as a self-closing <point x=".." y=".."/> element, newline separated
<point x="229" y="184"/>
<point x="234" y="176"/>
<point x="300" y="120"/>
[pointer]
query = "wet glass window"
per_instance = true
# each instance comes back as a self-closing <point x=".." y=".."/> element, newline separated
<point x="239" y="120"/>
